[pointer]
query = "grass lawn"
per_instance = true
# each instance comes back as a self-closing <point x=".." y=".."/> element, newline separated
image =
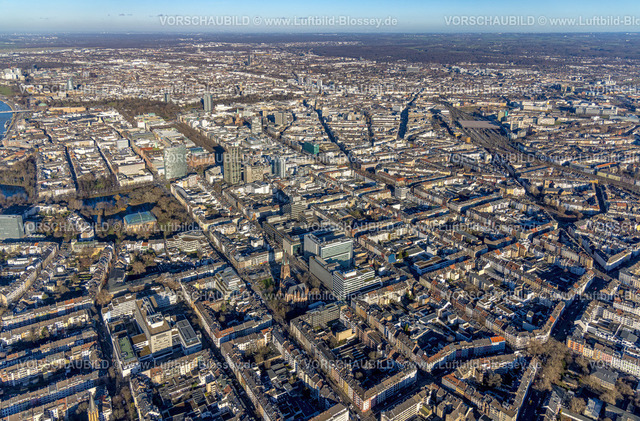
<point x="7" y="90"/>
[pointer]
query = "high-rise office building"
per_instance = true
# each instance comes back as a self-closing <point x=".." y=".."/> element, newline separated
<point x="253" y="172"/>
<point x="346" y="283"/>
<point x="401" y="192"/>
<point x="175" y="162"/>
<point x="331" y="248"/>
<point x="280" y="167"/>
<point x="256" y="125"/>
<point x="232" y="166"/>
<point x="310" y="147"/>
<point x="295" y="207"/>
<point x="155" y="327"/>
<point x="207" y="102"/>
<point x="279" y="118"/>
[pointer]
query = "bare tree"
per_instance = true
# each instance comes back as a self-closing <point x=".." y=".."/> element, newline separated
<point x="493" y="380"/>
<point x="103" y="298"/>
<point x="577" y="405"/>
<point x="138" y="267"/>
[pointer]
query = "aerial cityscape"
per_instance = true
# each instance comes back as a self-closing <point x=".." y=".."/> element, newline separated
<point x="382" y="212"/>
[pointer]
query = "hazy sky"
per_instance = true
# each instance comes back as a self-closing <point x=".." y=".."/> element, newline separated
<point x="257" y="16"/>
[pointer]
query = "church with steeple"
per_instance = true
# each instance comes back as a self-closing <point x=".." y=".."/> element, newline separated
<point x="92" y="412"/>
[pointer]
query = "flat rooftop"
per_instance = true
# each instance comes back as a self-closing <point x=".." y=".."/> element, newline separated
<point x="187" y="333"/>
<point x="478" y="124"/>
<point x="126" y="350"/>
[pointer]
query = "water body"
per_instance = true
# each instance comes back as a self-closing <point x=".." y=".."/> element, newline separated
<point x="8" y="191"/>
<point x="5" y="118"/>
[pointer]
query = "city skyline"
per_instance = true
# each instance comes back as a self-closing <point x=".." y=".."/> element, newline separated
<point x="330" y="17"/>
<point x="363" y="211"/>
